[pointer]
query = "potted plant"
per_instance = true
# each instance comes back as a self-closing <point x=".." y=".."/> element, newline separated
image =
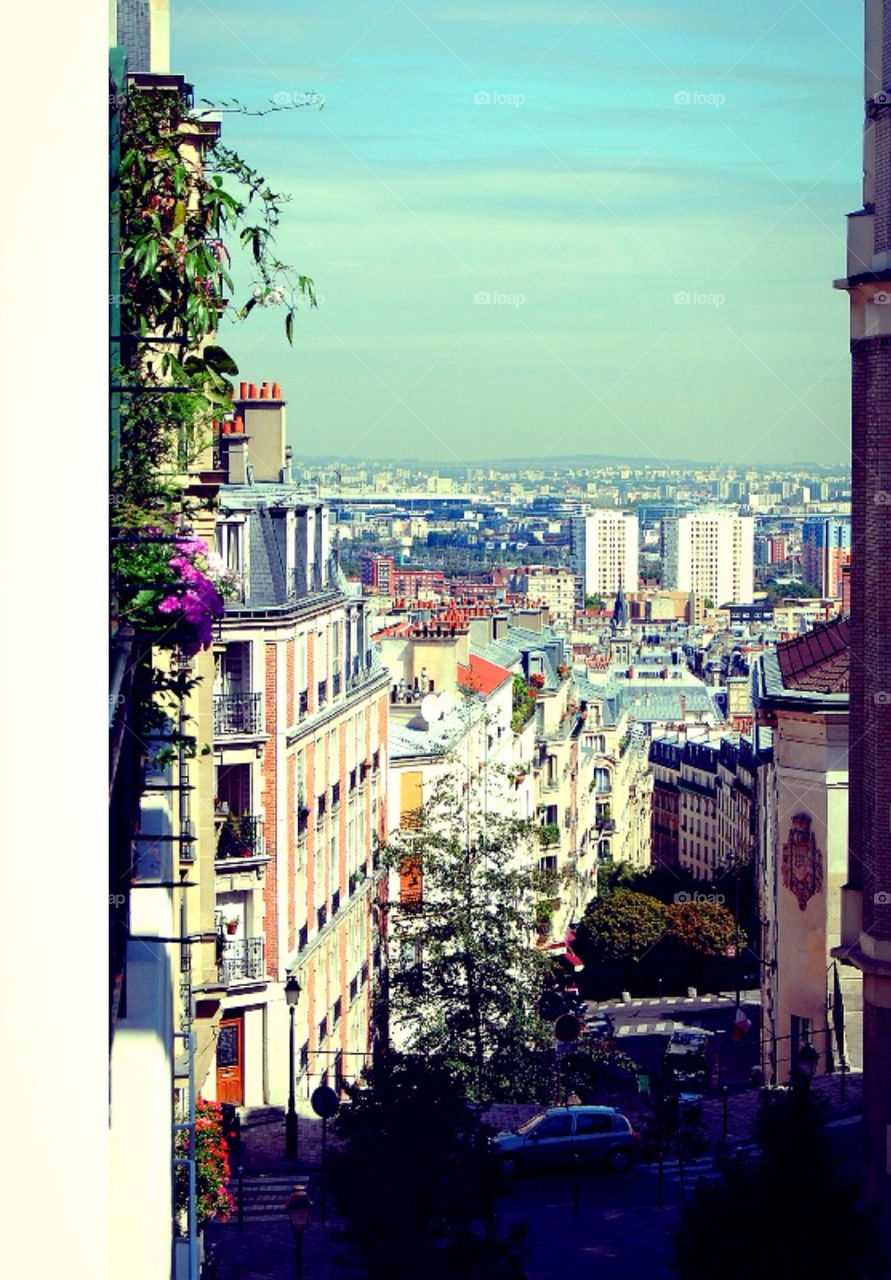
<point x="232" y="925"/>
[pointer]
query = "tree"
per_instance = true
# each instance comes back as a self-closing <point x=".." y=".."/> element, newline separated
<point x="594" y="602"/>
<point x="707" y="928"/>
<point x="467" y="986"/>
<point x="413" y="1179"/>
<point x="614" y="876"/>
<point x="794" y="1180"/>
<point x="620" y="927"/>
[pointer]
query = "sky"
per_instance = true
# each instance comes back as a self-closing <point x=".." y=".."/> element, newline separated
<point x="547" y="229"/>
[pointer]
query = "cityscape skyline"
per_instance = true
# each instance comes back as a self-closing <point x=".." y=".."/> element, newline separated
<point x="544" y="229"/>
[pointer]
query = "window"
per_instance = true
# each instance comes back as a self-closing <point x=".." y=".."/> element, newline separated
<point x="592" y="1122"/>
<point x="554" y="1127"/>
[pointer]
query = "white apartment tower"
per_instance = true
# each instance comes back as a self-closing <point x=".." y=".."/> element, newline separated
<point x="710" y="553"/>
<point x="603" y="552"/>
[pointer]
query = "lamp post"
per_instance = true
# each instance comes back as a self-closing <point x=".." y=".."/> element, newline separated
<point x="292" y="995"/>
<point x="299" y="1209"/>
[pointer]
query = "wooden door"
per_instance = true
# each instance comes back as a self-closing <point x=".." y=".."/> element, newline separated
<point x="230" y="1061"/>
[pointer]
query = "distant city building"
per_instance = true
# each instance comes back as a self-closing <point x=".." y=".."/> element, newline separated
<point x="603" y="552"/>
<point x="825" y="547"/>
<point x="554" y="588"/>
<point x="710" y="553"/>
<point x="377" y="572"/>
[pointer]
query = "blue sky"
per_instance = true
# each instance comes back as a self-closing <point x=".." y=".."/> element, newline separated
<point x="585" y="167"/>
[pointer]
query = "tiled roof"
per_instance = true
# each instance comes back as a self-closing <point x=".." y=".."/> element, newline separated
<point x="481" y="676"/>
<point x="818" y="661"/>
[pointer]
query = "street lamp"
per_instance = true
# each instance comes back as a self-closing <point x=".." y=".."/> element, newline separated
<point x="292" y="995"/>
<point x="299" y="1209"/>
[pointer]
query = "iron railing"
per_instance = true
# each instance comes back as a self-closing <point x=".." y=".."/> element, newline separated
<point x="243" y="959"/>
<point x="235" y="713"/>
<point x="242" y="837"/>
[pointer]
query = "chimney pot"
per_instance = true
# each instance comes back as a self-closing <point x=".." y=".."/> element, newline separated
<point x="252" y="391"/>
<point x="264" y="391"/>
<point x="242" y="390"/>
<point x="276" y="391"/>
<point x="238" y="426"/>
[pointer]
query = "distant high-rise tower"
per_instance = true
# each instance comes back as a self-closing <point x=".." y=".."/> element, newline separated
<point x="603" y="552"/>
<point x="866" y="899"/>
<point x="825" y="546"/>
<point x="710" y="553"/>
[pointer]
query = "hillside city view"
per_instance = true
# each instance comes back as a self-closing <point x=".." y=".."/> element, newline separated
<point x="499" y="864"/>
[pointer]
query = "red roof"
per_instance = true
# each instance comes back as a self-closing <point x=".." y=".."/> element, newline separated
<point x="820" y="660"/>
<point x="481" y="676"/>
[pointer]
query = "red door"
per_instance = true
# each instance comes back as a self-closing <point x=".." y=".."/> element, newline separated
<point x="230" y="1059"/>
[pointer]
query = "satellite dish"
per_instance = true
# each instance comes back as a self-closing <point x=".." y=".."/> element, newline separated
<point x="430" y="708"/>
<point x="446" y="702"/>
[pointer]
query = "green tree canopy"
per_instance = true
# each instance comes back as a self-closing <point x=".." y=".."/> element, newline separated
<point x="413" y="1180"/>
<point x="465" y="975"/>
<point x="620" y="927"/>
<point x="705" y="927"/>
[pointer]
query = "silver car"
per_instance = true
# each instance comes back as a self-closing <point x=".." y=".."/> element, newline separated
<point x="567" y="1136"/>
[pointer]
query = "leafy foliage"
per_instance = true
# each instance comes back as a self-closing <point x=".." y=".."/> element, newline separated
<point x="621" y="926"/>
<point x="211" y="1166"/>
<point x="413" y="1180"/>
<point x="705" y="927"/>
<point x="468" y="975"/>
<point x="795" y="1180"/>
<point x="523" y="703"/>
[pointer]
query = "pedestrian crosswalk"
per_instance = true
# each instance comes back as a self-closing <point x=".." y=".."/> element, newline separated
<point x="645" y="1029"/>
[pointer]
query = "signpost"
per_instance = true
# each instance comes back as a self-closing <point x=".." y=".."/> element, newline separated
<point x="325" y="1103"/>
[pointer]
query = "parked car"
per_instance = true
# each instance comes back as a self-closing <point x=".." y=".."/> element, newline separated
<point x="688" y="1058"/>
<point x="596" y="1135"/>
<point x="598" y="1025"/>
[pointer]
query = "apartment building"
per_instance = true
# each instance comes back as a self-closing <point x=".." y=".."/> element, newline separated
<point x="710" y="553"/>
<point x="300" y="752"/>
<point x="554" y="588"/>
<point x="825" y="547"/>
<point x="705" y="802"/>
<point x="603" y="552"/>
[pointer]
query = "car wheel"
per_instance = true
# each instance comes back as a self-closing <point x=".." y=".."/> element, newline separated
<point x="618" y="1160"/>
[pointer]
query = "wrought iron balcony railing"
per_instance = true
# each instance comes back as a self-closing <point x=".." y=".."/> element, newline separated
<point x="241" y="837"/>
<point x="237" y="713"/>
<point x="243" y="959"/>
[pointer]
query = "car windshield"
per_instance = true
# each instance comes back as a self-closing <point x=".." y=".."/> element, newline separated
<point x="527" y="1125"/>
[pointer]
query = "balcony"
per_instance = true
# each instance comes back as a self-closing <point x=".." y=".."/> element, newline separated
<point x="237" y="714"/>
<point x="243" y="960"/>
<point x="241" y="838"/>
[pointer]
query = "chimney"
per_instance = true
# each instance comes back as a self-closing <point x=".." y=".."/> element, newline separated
<point x="237" y="460"/>
<point x="499" y="626"/>
<point x="264" y="422"/>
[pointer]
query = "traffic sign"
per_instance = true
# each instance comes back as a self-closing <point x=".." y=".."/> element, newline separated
<point x="325" y="1102"/>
